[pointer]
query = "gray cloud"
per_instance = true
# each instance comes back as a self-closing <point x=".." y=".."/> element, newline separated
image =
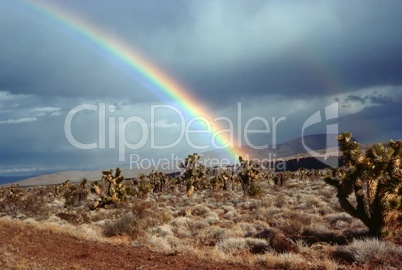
<point x="18" y="121"/>
<point x="213" y="47"/>
<point x="278" y="58"/>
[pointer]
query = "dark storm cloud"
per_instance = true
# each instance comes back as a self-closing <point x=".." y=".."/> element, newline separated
<point x="375" y="124"/>
<point x="324" y="49"/>
<point x="278" y="58"/>
<point x="38" y="57"/>
<point x="372" y="98"/>
<point x="216" y="48"/>
<point x="352" y="98"/>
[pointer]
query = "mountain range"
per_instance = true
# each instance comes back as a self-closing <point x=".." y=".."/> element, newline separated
<point x="291" y="149"/>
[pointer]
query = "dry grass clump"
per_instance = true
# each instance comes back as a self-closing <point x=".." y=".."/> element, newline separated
<point x="212" y="218"/>
<point x="370" y="252"/>
<point x="234" y="245"/>
<point x="185" y="227"/>
<point x="125" y="225"/>
<point x="142" y="217"/>
<point x="277" y="240"/>
<point x="210" y="235"/>
<point x="200" y="210"/>
<point x="162" y="244"/>
<point x="286" y="261"/>
<point x="75" y="218"/>
<point x="338" y="220"/>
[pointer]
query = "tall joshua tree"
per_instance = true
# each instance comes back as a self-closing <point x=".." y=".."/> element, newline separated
<point x="375" y="179"/>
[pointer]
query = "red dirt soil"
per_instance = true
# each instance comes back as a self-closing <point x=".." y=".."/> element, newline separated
<point x="23" y="246"/>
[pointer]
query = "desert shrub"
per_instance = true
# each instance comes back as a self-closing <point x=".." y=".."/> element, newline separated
<point x="371" y="252"/>
<point x="212" y="218"/>
<point x="255" y="190"/>
<point x="235" y="245"/>
<point x="142" y="217"/>
<point x="24" y="203"/>
<point x="74" y="218"/>
<point x="200" y="210"/>
<point x="162" y="231"/>
<point x="280" y="201"/>
<point x="313" y="202"/>
<point x="180" y="227"/>
<point x="336" y="220"/>
<point x="287" y="261"/>
<point x="277" y="240"/>
<point x="211" y="235"/>
<point x="127" y="224"/>
<point x="294" y="222"/>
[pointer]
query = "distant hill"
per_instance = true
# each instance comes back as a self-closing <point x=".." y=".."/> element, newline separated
<point x="294" y="147"/>
<point x="288" y="150"/>
<point x="73" y="176"/>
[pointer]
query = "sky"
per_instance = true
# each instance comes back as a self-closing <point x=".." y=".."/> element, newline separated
<point x="261" y="69"/>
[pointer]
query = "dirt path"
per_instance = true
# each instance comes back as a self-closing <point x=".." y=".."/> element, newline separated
<point x="26" y="247"/>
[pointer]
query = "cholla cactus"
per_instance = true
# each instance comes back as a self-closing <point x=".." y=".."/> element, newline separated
<point x="110" y="189"/>
<point x="194" y="174"/>
<point x="375" y="179"/>
<point x="247" y="175"/>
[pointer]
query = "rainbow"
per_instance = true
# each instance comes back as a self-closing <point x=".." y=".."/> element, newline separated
<point x="127" y="55"/>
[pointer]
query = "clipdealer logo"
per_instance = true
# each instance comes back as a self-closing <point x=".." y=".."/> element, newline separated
<point x="107" y="126"/>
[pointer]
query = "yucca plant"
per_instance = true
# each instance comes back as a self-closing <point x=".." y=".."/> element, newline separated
<point x="375" y="180"/>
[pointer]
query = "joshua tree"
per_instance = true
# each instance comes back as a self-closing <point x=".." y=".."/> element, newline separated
<point x="110" y="189"/>
<point x="247" y="175"/>
<point x="195" y="173"/>
<point x="161" y="182"/>
<point x="375" y="179"/>
<point x="143" y="186"/>
<point x="279" y="178"/>
<point x="75" y="194"/>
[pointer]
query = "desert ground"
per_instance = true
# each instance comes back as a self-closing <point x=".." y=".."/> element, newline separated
<point x="299" y="225"/>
